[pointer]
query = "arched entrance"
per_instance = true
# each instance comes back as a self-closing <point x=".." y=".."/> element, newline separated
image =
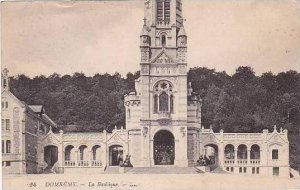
<point x="115" y="155"/>
<point x="164" y="148"/>
<point x="50" y="155"/>
<point x="211" y="155"/>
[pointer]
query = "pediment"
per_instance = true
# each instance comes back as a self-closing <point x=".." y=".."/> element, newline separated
<point x="50" y="138"/>
<point x="162" y="57"/>
<point x="211" y="138"/>
<point x="115" y="138"/>
<point x="276" y="138"/>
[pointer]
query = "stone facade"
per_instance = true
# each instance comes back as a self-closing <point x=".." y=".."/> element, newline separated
<point x="21" y="126"/>
<point x="163" y="120"/>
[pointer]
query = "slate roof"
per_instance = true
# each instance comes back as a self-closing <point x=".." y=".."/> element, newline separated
<point x="37" y="108"/>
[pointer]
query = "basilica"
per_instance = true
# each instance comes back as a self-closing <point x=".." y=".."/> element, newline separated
<point x="163" y="121"/>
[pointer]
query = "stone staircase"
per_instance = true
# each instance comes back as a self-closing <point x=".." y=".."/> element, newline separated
<point x="49" y="170"/>
<point x="218" y="170"/>
<point x="164" y="170"/>
<point x="112" y="170"/>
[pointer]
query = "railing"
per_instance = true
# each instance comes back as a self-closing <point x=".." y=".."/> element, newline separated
<point x="255" y="161"/>
<point x="83" y="163"/>
<point x="163" y="23"/>
<point x="96" y="163"/>
<point x="164" y="115"/>
<point x="242" y="161"/>
<point x="69" y="163"/>
<point x="229" y="161"/>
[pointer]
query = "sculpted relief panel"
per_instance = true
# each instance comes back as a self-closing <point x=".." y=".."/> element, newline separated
<point x="163" y="70"/>
<point x="145" y="69"/>
<point x="163" y="59"/>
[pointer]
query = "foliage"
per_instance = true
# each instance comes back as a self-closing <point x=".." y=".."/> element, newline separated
<point x="242" y="102"/>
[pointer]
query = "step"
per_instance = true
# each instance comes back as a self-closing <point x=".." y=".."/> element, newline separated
<point x="164" y="170"/>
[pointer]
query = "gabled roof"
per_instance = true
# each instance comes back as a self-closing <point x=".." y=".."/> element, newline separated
<point x="75" y="128"/>
<point x="37" y="108"/>
<point x="49" y="120"/>
<point x="11" y="95"/>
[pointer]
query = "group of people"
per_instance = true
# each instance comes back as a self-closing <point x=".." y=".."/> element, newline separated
<point x="126" y="162"/>
<point x="205" y="161"/>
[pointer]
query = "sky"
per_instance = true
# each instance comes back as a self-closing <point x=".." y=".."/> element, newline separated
<point x="103" y="36"/>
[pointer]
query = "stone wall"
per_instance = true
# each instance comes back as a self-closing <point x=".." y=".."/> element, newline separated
<point x="31" y="128"/>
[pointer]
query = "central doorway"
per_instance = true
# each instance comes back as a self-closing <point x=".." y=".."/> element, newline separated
<point x="115" y="155"/>
<point x="164" y="148"/>
<point x="50" y="155"/>
<point x="211" y="156"/>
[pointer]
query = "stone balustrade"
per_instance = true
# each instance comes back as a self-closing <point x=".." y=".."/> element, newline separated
<point x="242" y="161"/>
<point x="163" y="23"/>
<point x="254" y="161"/>
<point x="229" y="161"/>
<point x="83" y="163"/>
<point x="164" y="115"/>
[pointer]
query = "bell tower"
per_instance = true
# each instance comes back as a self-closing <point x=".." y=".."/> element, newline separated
<point x="162" y="86"/>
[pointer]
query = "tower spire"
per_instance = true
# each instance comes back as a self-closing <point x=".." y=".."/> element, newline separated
<point x="5" y="79"/>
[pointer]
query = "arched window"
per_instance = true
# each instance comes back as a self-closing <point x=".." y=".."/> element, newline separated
<point x="163" y="10"/>
<point x="82" y="150"/>
<point x="171" y="104"/>
<point x="163" y="102"/>
<point x="8" y="146"/>
<point x="242" y="152"/>
<point x="255" y="152"/>
<point x="163" y="97"/>
<point x="229" y="151"/>
<point x="163" y="40"/>
<point x="68" y="153"/>
<point x="128" y="114"/>
<point x="96" y="153"/>
<point x="155" y="103"/>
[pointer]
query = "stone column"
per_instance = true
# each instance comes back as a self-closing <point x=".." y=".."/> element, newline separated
<point x="235" y="156"/>
<point x="60" y="150"/>
<point x="77" y="152"/>
<point x="248" y="157"/>
<point x="221" y="150"/>
<point x="151" y="153"/>
<point x="145" y="143"/>
<point x="236" y="169"/>
<point x="60" y="154"/>
<point x="90" y="152"/>
<point x="221" y="154"/>
<point x="249" y="168"/>
<point x="181" y="147"/>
